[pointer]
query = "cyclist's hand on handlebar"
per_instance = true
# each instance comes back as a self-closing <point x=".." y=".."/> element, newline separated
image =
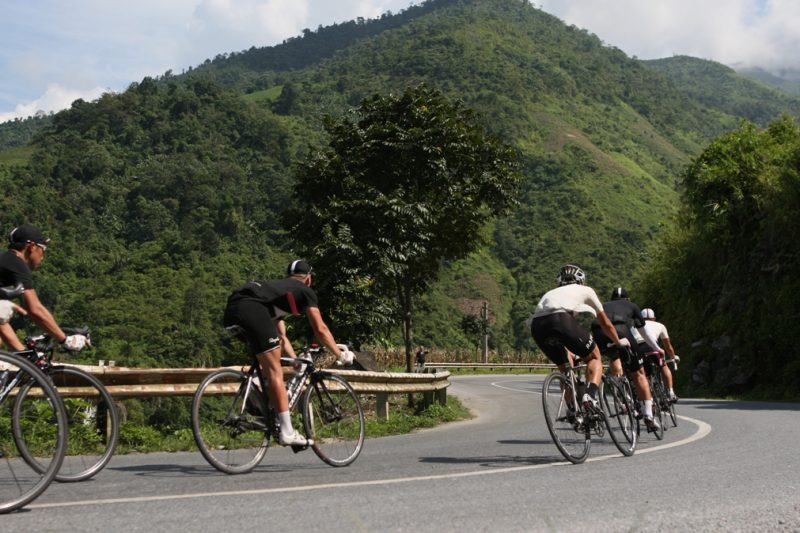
<point x="7" y="310"/>
<point x="76" y="343"/>
<point x="625" y="343"/>
<point x="677" y="359"/>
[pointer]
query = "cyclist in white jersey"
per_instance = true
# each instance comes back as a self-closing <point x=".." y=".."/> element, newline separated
<point x="558" y="334"/>
<point x="658" y="331"/>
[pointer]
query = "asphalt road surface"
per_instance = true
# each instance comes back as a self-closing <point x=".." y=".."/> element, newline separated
<point x="728" y="466"/>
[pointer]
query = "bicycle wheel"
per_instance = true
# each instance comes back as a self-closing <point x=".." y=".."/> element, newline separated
<point x="333" y="418"/>
<point x="41" y="419"/>
<point x="571" y="433"/>
<point x="658" y="414"/>
<point x="619" y="415"/>
<point x="229" y="430"/>
<point x="92" y="424"/>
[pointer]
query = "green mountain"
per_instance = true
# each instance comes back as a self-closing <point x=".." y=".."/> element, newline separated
<point x="723" y="89"/>
<point x="168" y="195"/>
<point x="787" y="80"/>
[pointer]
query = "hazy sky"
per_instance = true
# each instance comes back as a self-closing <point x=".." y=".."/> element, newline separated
<point x="55" y="51"/>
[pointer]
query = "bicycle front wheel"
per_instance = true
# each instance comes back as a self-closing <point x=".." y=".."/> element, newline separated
<point x="92" y="424"/>
<point x="333" y="418"/>
<point x="619" y="415"/>
<point x="569" y="429"/>
<point x="40" y="419"/>
<point x="229" y="428"/>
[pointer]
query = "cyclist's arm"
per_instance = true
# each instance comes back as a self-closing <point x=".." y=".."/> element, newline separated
<point x="668" y="347"/>
<point x="321" y="330"/>
<point x="286" y="345"/>
<point x="43" y="318"/>
<point x="608" y="327"/>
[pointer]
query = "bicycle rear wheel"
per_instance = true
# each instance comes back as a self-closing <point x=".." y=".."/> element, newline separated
<point x="229" y="429"/>
<point x="619" y="414"/>
<point x="658" y="413"/>
<point x="333" y="418"/>
<point x="570" y="431"/>
<point x="40" y="417"/>
<point x="92" y="424"/>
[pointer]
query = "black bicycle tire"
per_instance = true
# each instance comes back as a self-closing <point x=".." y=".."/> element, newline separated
<point x="204" y="447"/>
<point x="551" y="418"/>
<point x="320" y="445"/>
<point x="64" y="474"/>
<point x="60" y="447"/>
<point x="658" y="415"/>
<point x="619" y="409"/>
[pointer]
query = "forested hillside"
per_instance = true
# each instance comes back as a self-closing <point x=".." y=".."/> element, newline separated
<point x="162" y="199"/>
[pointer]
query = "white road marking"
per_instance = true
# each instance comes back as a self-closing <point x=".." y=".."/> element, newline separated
<point x="703" y="429"/>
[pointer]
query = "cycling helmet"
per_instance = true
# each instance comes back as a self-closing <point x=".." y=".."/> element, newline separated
<point x="570" y="274"/>
<point x="619" y="294"/>
<point x="648" y="314"/>
<point x="298" y="266"/>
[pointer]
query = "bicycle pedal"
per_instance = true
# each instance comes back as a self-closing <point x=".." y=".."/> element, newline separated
<point x="297" y="448"/>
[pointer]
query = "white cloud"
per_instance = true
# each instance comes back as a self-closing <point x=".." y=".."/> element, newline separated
<point x="741" y="32"/>
<point x="55" y="97"/>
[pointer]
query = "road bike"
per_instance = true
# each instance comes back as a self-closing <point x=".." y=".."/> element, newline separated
<point x="36" y="417"/>
<point x="233" y="423"/>
<point x="571" y="425"/>
<point x="92" y="417"/>
<point x="617" y="397"/>
<point x="653" y="363"/>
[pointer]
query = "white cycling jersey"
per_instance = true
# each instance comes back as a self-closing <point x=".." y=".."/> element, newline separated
<point x="657" y="330"/>
<point x="571" y="299"/>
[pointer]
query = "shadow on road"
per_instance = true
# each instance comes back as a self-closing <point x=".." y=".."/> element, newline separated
<point x="497" y="460"/>
<point x="172" y="470"/>
<point x="739" y="405"/>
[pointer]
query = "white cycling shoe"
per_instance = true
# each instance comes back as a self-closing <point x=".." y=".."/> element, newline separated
<point x="295" y="439"/>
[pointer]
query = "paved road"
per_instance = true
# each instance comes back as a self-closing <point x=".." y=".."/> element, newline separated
<point x="728" y="466"/>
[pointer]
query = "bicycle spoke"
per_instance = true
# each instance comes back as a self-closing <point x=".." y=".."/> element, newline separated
<point x="570" y="429"/>
<point x="334" y="419"/>
<point x="230" y="431"/>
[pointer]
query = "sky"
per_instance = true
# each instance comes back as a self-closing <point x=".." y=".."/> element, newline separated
<point x="53" y="52"/>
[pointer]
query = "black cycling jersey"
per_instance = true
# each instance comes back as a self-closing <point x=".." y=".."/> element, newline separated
<point x="282" y="296"/>
<point x="624" y="315"/>
<point x="255" y="305"/>
<point x="14" y="270"/>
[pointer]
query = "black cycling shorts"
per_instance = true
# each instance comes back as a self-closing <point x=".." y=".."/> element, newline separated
<point x="559" y="332"/>
<point x="631" y="359"/>
<point x="254" y="317"/>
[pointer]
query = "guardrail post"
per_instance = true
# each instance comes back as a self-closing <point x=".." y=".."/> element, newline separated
<point x="382" y="405"/>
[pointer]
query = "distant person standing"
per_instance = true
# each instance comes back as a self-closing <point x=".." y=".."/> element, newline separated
<point x="420" y="359"/>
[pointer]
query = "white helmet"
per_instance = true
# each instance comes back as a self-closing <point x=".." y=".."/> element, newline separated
<point x="648" y="314"/>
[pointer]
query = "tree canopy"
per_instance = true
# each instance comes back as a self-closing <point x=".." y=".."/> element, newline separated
<point x="403" y="188"/>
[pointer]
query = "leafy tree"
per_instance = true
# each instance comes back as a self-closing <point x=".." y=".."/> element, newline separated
<point x="406" y="186"/>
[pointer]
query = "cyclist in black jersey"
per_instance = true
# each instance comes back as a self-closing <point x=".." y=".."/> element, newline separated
<point x="626" y="315"/>
<point x="259" y="308"/>
<point x="26" y="248"/>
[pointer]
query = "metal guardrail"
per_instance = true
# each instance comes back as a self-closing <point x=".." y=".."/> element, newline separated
<point x="123" y="382"/>
<point x="528" y="366"/>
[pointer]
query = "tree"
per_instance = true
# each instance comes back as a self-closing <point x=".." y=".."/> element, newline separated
<point x="401" y="189"/>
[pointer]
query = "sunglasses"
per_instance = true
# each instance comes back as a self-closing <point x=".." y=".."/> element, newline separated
<point x="42" y="246"/>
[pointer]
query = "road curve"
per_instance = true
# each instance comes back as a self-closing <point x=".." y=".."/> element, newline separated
<point x="728" y="466"/>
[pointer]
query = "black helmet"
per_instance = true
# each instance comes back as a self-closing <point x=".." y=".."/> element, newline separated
<point x="570" y="274"/>
<point x="619" y="294"/>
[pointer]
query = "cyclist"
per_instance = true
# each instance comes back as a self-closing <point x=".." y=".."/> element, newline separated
<point x="259" y="307"/>
<point x="26" y="248"/>
<point x="658" y="331"/>
<point x="558" y="334"/>
<point x="625" y="316"/>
